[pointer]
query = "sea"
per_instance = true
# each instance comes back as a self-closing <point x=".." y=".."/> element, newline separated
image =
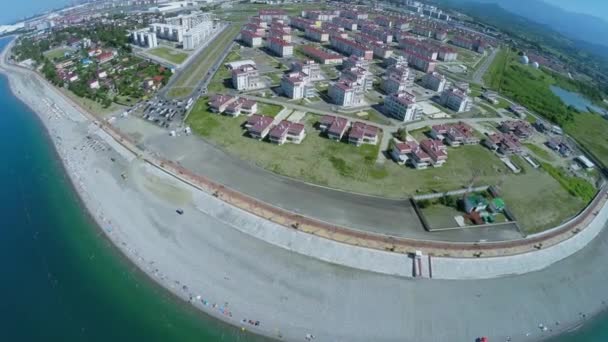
<point x="64" y="280"/>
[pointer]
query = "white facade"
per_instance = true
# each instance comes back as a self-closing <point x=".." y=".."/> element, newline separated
<point x="402" y="106"/>
<point x="345" y="94"/>
<point x="434" y="81"/>
<point x="455" y="99"/>
<point x="246" y="77"/>
<point x="398" y="79"/>
<point x="144" y="38"/>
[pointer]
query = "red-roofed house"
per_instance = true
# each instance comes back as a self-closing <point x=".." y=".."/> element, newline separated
<point x="362" y="133"/>
<point x="401" y="151"/>
<point x="258" y="126"/>
<point x="436" y="150"/>
<point x="334" y="126"/>
<point x="419" y="158"/>
<point x="251" y="38"/>
<point x="287" y="131"/>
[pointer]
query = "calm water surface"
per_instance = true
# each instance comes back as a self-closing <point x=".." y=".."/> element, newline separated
<point x="576" y="100"/>
<point x="63" y="281"/>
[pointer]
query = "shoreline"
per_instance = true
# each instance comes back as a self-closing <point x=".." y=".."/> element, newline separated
<point x="131" y="254"/>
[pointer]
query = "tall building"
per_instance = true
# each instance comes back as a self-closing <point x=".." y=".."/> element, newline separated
<point x="398" y="79"/>
<point x="246" y="77"/>
<point x="280" y="47"/>
<point x="434" y="81"/>
<point x="402" y="106"/>
<point x="144" y="38"/>
<point x="345" y="93"/>
<point x="455" y="99"/>
<point x="296" y="85"/>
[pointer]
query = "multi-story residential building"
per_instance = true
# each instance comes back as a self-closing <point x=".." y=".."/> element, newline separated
<point x="504" y="143"/>
<point x="351" y="47"/>
<point x="421" y="63"/>
<point x="447" y="54"/>
<point x="317" y="34"/>
<point x="309" y="68"/>
<point x="402" y="106"/>
<point x="322" y="56"/>
<point x="296" y="85"/>
<point x="279" y="34"/>
<point x="287" y="131"/>
<point x="168" y="32"/>
<point x="362" y="133"/>
<point x="269" y="15"/>
<point x="356" y="15"/>
<point x="259" y="30"/>
<point x="250" y="38"/>
<point x="441" y="35"/>
<point x="144" y="38"/>
<point x="280" y="47"/>
<point x="434" y="81"/>
<point x="335" y="127"/>
<point x="356" y="62"/>
<point x="436" y="150"/>
<point x="345" y="93"/>
<point x="322" y="15"/>
<point x="455" y="99"/>
<point x="424" y="49"/>
<point x="474" y="44"/>
<point x="398" y="79"/>
<point x="258" y="126"/>
<point x="246" y="77"/>
<point x="362" y="78"/>
<point x="301" y="23"/>
<point x="382" y="34"/>
<point x="381" y="50"/>
<point x="345" y="23"/>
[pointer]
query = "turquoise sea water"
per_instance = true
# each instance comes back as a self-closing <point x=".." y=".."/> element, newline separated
<point x="61" y="279"/>
<point x="64" y="281"/>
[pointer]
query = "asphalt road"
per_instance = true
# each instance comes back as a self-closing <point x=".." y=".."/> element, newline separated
<point x="478" y="75"/>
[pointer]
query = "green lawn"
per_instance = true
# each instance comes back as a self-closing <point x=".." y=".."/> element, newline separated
<point x="169" y="54"/>
<point x="494" y="76"/>
<point x="57" y="53"/>
<point x="541" y="152"/>
<point x="92" y="106"/>
<point x="269" y="109"/>
<point x="590" y="131"/>
<point x="343" y="166"/>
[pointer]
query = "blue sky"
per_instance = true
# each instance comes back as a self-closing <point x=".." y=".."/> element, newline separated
<point x="598" y="8"/>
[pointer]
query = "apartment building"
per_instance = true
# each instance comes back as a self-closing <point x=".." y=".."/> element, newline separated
<point x="398" y="79"/>
<point x="455" y="99"/>
<point x="345" y="93"/>
<point x="402" y="106"/>
<point x="280" y="47"/>
<point x="434" y="81"/>
<point x="246" y="77"/>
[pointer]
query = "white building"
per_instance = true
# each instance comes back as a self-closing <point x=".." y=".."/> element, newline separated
<point x="308" y="67"/>
<point x="455" y="99"/>
<point x="168" y="32"/>
<point x="434" y="81"/>
<point x="296" y="85"/>
<point x="144" y="38"/>
<point x="398" y="79"/>
<point x="280" y="47"/>
<point x="250" y="38"/>
<point x="345" y="93"/>
<point x="402" y="106"/>
<point x="246" y="77"/>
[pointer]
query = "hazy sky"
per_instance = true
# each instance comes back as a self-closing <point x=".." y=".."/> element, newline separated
<point x="598" y="8"/>
<point x="17" y="9"/>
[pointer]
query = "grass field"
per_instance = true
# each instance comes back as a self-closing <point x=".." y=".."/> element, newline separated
<point x="343" y="166"/>
<point x="494" y="76"/>
<point x="168" y="54"/>
<point x="57" y="53"/>
<point x="541" y="152"/>
<point x="590" y="131"/>
<point x="92" y="106"/>
<point x="205" y="60"/>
